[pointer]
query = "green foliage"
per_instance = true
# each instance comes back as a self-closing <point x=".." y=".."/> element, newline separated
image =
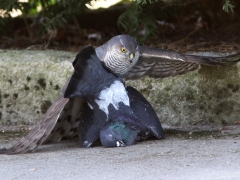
<point x="228" y="6"/>
<point x="146" y="1"/>
<point x="142" y="15"/>
<point x="61" y="12"/>
<point x="139" y="17"/>
<point x="8" y="5"/>
<point x="136" y="18"/>
<point x="54" y="13"/>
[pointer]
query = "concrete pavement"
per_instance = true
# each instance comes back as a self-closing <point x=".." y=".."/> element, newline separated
<point x="177" y="157"/>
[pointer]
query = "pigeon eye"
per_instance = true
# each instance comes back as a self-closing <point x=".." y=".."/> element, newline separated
<point x="124" y="50"/>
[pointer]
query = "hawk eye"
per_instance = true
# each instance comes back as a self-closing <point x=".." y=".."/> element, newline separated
<point x="124" y="50"/>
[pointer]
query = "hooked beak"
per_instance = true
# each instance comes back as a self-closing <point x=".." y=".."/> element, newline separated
<point x="131" y="56"/>
<point x="120" y="144"/>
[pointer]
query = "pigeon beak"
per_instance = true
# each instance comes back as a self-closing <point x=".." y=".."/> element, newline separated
<point x="120" y="144"/>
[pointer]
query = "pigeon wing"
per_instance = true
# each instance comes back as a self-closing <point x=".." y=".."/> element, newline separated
<point x="145" y="112"/>
<point x="91" y="121"/>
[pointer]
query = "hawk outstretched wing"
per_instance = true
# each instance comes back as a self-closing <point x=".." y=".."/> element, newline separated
<point x="160" y="63"/>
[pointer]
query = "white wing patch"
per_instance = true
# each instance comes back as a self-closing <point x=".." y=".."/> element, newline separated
<point x="113" y="95"/>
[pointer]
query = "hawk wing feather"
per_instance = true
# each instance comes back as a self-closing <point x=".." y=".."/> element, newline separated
<point x="160" y="63"/>
<point x="42" y="129"/>
<point x="66" y="126"/>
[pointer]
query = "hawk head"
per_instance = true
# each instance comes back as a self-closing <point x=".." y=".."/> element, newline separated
<point x="119" y="54"/>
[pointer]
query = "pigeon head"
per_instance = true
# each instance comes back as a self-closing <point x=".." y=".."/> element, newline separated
<point x="119" y="54"/>
<point x="118" y="134"/>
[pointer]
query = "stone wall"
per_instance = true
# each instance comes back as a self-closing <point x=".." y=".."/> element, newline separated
<point x="31" y="80"/>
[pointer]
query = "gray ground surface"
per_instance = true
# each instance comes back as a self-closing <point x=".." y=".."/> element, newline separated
<point x="176" y="157"/>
